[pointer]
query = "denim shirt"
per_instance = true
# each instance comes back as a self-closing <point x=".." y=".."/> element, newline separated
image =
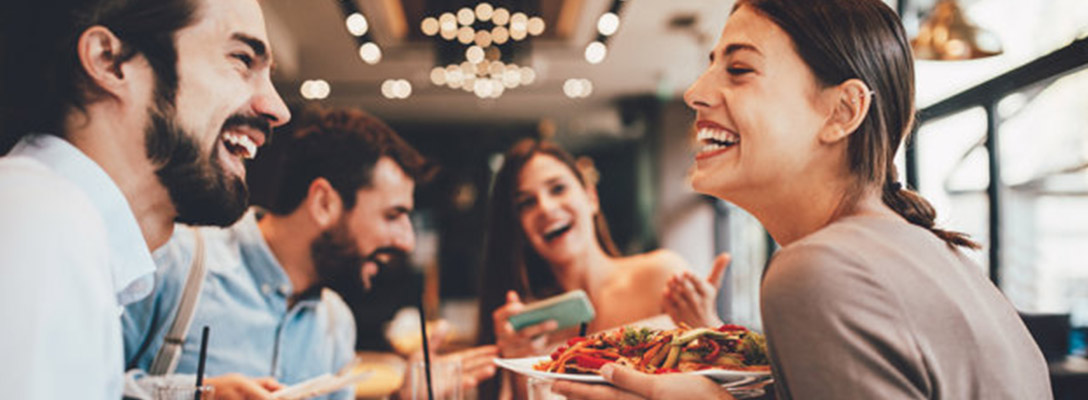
<point x="244" y="302"/>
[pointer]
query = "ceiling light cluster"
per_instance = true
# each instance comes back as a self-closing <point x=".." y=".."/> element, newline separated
<point x="486" y="79"/>
<point x="577" y="88"/>
<point x="359" y="27"/>
<point x="607" y="25"/>
<point x="315" y="89"/>
<point x="483" y="28"/>
<point x="396" y="89"/>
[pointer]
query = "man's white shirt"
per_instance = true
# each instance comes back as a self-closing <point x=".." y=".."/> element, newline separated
<point x="71" y="256"/>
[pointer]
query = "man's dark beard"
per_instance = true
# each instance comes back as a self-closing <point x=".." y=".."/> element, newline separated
<point x="202" y="192"/>
<point x="338" y="261"/>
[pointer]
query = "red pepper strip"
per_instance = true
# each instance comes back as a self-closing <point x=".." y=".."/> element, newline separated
<point x="590" y="362"/>
<point x="558" y="352"/>
<point x="666" y="371"/>
<point x="649" y="355"/>
<point x="576" y="339"/>
<point x="710" y="357"/>
<point x="731" y="327"/>
<point x="600" y="353"/>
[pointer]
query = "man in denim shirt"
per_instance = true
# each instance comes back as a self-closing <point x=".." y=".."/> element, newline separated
<point x="343" y="203"/>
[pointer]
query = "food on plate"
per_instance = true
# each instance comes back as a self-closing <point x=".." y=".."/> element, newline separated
<point x="730" y="347"/>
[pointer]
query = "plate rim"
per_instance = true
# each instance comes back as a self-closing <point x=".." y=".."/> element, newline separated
<point x="714" y="374"/>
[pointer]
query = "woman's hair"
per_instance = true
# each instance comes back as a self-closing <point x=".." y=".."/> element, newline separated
<point x="510" y="262"/>
<point x="863" y="39"/>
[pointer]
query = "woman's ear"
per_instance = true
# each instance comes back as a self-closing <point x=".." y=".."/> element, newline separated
<point x="594" y="201"/>
<point x="851" y="105"/>
<point x="100" y="54"/>
<point x="323" y="203"/>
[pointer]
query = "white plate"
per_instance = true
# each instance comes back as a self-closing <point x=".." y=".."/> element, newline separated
<point x="524" y="366"/>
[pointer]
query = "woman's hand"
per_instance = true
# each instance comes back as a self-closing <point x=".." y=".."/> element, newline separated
<point x="690" y="300"/>
<point x="528" y="341"/>
<point x="630" y="385"/>
<point x="477" y="365"/>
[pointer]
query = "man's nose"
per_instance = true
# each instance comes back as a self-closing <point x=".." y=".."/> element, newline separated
<point x="405" y="239"/>
<point x="268" y="104"/>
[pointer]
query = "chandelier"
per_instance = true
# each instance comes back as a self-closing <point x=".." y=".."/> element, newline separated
<point x="482" y="31"/>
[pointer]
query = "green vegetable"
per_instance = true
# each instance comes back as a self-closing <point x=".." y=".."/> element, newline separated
<point x="635" y="337"/>
<point x="700" y="332"/>
<point x="754" y="349"/>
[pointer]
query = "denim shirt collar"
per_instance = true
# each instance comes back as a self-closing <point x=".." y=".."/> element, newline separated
<point x="262" y="262"/>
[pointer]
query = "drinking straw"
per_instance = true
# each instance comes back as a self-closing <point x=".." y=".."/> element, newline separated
<point x="200" y="362"/>
<point x="582" y="329"/>
<point x="426" y="350"/>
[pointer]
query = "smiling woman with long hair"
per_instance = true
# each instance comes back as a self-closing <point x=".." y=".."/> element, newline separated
<point x="547" y="235"/>
<point x="799" y="115"/>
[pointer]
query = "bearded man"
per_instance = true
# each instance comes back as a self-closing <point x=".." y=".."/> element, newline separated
<point x="342" y="207"/>
<point x="118" y="117"/>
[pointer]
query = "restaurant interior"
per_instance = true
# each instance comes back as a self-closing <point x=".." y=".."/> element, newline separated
<point x="1001" y="148"/>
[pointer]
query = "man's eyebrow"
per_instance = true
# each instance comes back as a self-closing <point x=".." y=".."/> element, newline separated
<point x="260" y="49"/>
<point x="400" y="210"/>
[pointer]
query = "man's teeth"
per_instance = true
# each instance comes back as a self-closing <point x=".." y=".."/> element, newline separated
<point x="716" y="139"/>
<point x="242" y="141"/>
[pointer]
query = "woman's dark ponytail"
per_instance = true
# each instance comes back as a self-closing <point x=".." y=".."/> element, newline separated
<point x="917" y="210"/>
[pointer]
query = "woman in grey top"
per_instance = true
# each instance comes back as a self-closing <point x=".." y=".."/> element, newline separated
<point x="799" y="116"/>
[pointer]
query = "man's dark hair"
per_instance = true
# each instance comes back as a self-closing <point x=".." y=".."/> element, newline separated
<point x="341" y="146"/>
<point x="41" y="78"/>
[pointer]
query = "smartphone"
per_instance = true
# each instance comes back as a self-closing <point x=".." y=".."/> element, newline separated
<point x="568" y="309"/>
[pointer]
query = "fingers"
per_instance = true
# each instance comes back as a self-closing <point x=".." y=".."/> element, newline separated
<point x="237" y="386"/>
<point x="687" y="294"/>
<point x="501" y="314"/>
<point x="698" y="286"/>
<point x="674" y="306"/>
<point x="478" y="363"/>
<point x="581" y="391"/>
<point x="629" y="379"/>
<point x="533" y="331"/>
<point x="251" y="389"/>
<point x="270" y="384"/>
<point x="437" y="333"/>
<point x="718" y="270"/>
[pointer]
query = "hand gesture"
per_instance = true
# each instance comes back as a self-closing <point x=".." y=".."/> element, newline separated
<point x="528" y="341"/>
<point x="690" y="300"/>
<point x="631" y="385"/>
<point x="239" y="387"/>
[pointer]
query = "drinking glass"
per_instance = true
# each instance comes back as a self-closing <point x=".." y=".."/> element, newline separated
<point x="445" y="377"/>
<point x="184" y="392"/>
<point x="541" y="389"/>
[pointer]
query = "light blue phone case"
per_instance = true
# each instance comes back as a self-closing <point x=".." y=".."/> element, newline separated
<point x="568" y="309"/>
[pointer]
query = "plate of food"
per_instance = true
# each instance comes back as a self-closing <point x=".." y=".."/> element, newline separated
<point x="727" y="354"/>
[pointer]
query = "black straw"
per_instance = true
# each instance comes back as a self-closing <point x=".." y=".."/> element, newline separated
<point x="582" y="329"/>
<point x="200" y="363"/>
<point x="426" y="350"/>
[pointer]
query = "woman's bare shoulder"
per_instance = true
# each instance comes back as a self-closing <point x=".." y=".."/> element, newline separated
<point x="660" y="263"/>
